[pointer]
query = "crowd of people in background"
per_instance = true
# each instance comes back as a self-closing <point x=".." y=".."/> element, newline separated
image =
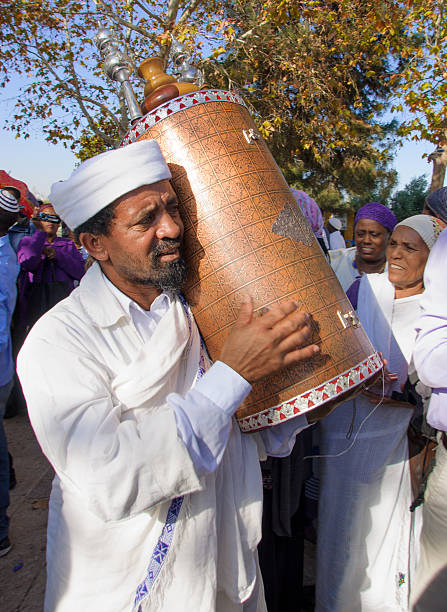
<point x="38" y="268"/>
<point x="381" y="529"/>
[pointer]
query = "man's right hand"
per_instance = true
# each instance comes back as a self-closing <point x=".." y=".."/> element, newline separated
<point x="261" y="345"/>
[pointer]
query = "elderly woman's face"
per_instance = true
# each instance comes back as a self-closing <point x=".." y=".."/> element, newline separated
<point x="371" y="240"/>
<point x="407" y="255"/>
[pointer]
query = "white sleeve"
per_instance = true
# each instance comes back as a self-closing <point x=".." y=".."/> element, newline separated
<point x="279" y="440"/>
<point x="204" y="415"/>
<point x="430" y="350"/>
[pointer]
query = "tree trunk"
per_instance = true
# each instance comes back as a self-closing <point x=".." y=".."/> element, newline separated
<point x="439" y="159"/>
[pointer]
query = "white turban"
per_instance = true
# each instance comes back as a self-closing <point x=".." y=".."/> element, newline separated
<point x="99" y="181"/>
<point x="336" y="223"/>
<point x="426" y="226"/>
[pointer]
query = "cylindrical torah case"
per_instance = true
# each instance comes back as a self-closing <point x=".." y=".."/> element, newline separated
<point x="245" y="234"/>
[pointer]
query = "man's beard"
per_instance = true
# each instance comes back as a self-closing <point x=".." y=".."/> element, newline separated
<point x="166" y="276"/>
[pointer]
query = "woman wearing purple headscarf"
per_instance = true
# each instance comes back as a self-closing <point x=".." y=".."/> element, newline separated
<point x="373" y="225"/>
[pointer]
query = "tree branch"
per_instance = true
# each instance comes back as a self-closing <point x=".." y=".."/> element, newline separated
<point x="188" y="12"/>
<point x="171" y="14"/>
<point x="122" y="21"/>
<point x="77" y="90"/>
<point x="80" y="99"/>
<point x="149" y="13"/>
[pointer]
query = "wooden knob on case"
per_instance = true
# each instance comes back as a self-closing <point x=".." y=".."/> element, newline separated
<point x="151" y="70"/>
<point x="159" y="96"/>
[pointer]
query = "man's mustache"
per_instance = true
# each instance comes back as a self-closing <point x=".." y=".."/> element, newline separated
<point x="166" y="245"/>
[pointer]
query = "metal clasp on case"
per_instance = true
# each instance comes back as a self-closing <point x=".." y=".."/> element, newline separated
<point x="251" y="135"/>
<point x="348" y="319"/>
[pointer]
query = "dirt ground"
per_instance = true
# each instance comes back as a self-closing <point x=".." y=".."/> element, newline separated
<point x="22" y="571"/>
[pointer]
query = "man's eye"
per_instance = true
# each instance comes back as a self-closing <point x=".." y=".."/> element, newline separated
<point x="148" y="220"/>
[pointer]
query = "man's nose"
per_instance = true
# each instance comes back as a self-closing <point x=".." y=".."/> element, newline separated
<point x="167" y="227"/>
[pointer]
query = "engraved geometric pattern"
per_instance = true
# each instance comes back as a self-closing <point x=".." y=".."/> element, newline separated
<point x="231" y="195"/>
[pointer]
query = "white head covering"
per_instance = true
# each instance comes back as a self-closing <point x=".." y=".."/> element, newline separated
<point x="9" y="201"/>
<point x="426" y="226"/>
<point x="336" y="223"/>
<point x="99" y="181"/>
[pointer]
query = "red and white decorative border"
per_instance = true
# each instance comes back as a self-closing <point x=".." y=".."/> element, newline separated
<point x="175" y="106"/>
<point x="309" y="400"/>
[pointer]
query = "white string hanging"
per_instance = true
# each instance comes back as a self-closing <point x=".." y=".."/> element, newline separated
<point x="348" y="448"/>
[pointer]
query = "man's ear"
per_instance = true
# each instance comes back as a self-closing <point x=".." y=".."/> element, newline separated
<point x="95" y="246"/>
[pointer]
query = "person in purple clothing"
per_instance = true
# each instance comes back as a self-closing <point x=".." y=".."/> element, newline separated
<point x="45" y="258"/>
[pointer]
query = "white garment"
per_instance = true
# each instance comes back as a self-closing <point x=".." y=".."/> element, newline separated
<point x="431" y="345"/>
<point x="336" y="240"/>
<point x="429" y="592"/>
<point x="367" y="538"/>
<point x="343" y="264"/>
<point x="430" y="356"/>
<point x="97" y="399"/>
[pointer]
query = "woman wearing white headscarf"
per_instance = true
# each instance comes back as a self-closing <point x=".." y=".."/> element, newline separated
<point x="366" y="533"/>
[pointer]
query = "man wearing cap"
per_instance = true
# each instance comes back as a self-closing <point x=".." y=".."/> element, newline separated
<point x="336" y="240"/>
<point x="9" y="269"/>
<point x="156" y="503"/>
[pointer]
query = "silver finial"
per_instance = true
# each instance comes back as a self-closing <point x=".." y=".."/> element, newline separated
<point x="118" y="68"/>
<point x="183" y="68"/>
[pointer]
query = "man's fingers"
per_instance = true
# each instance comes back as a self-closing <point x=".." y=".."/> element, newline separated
<point x="245" y="312"/>
<point x="301" y="354"/>
<point x="295" y="340"/>
<point x="277" y="312"/>
<point x="294" y="322"/>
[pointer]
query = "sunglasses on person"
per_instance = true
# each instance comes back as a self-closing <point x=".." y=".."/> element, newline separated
<point x="49" y="218"/>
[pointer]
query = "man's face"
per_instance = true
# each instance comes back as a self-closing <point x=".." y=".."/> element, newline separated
<point x="144" y="244"/>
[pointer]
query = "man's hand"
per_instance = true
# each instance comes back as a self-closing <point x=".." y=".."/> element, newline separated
<point x="261" y="345"/>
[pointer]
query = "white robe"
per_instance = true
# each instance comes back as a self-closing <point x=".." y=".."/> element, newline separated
<point x="97" y="401"/>
<point x="342" y="262"/>
<point x="367" y="538"/>
<point x="336" y="240"/>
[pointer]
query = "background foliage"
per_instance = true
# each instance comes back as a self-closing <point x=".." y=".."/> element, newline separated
<point x="318" y="77"/>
